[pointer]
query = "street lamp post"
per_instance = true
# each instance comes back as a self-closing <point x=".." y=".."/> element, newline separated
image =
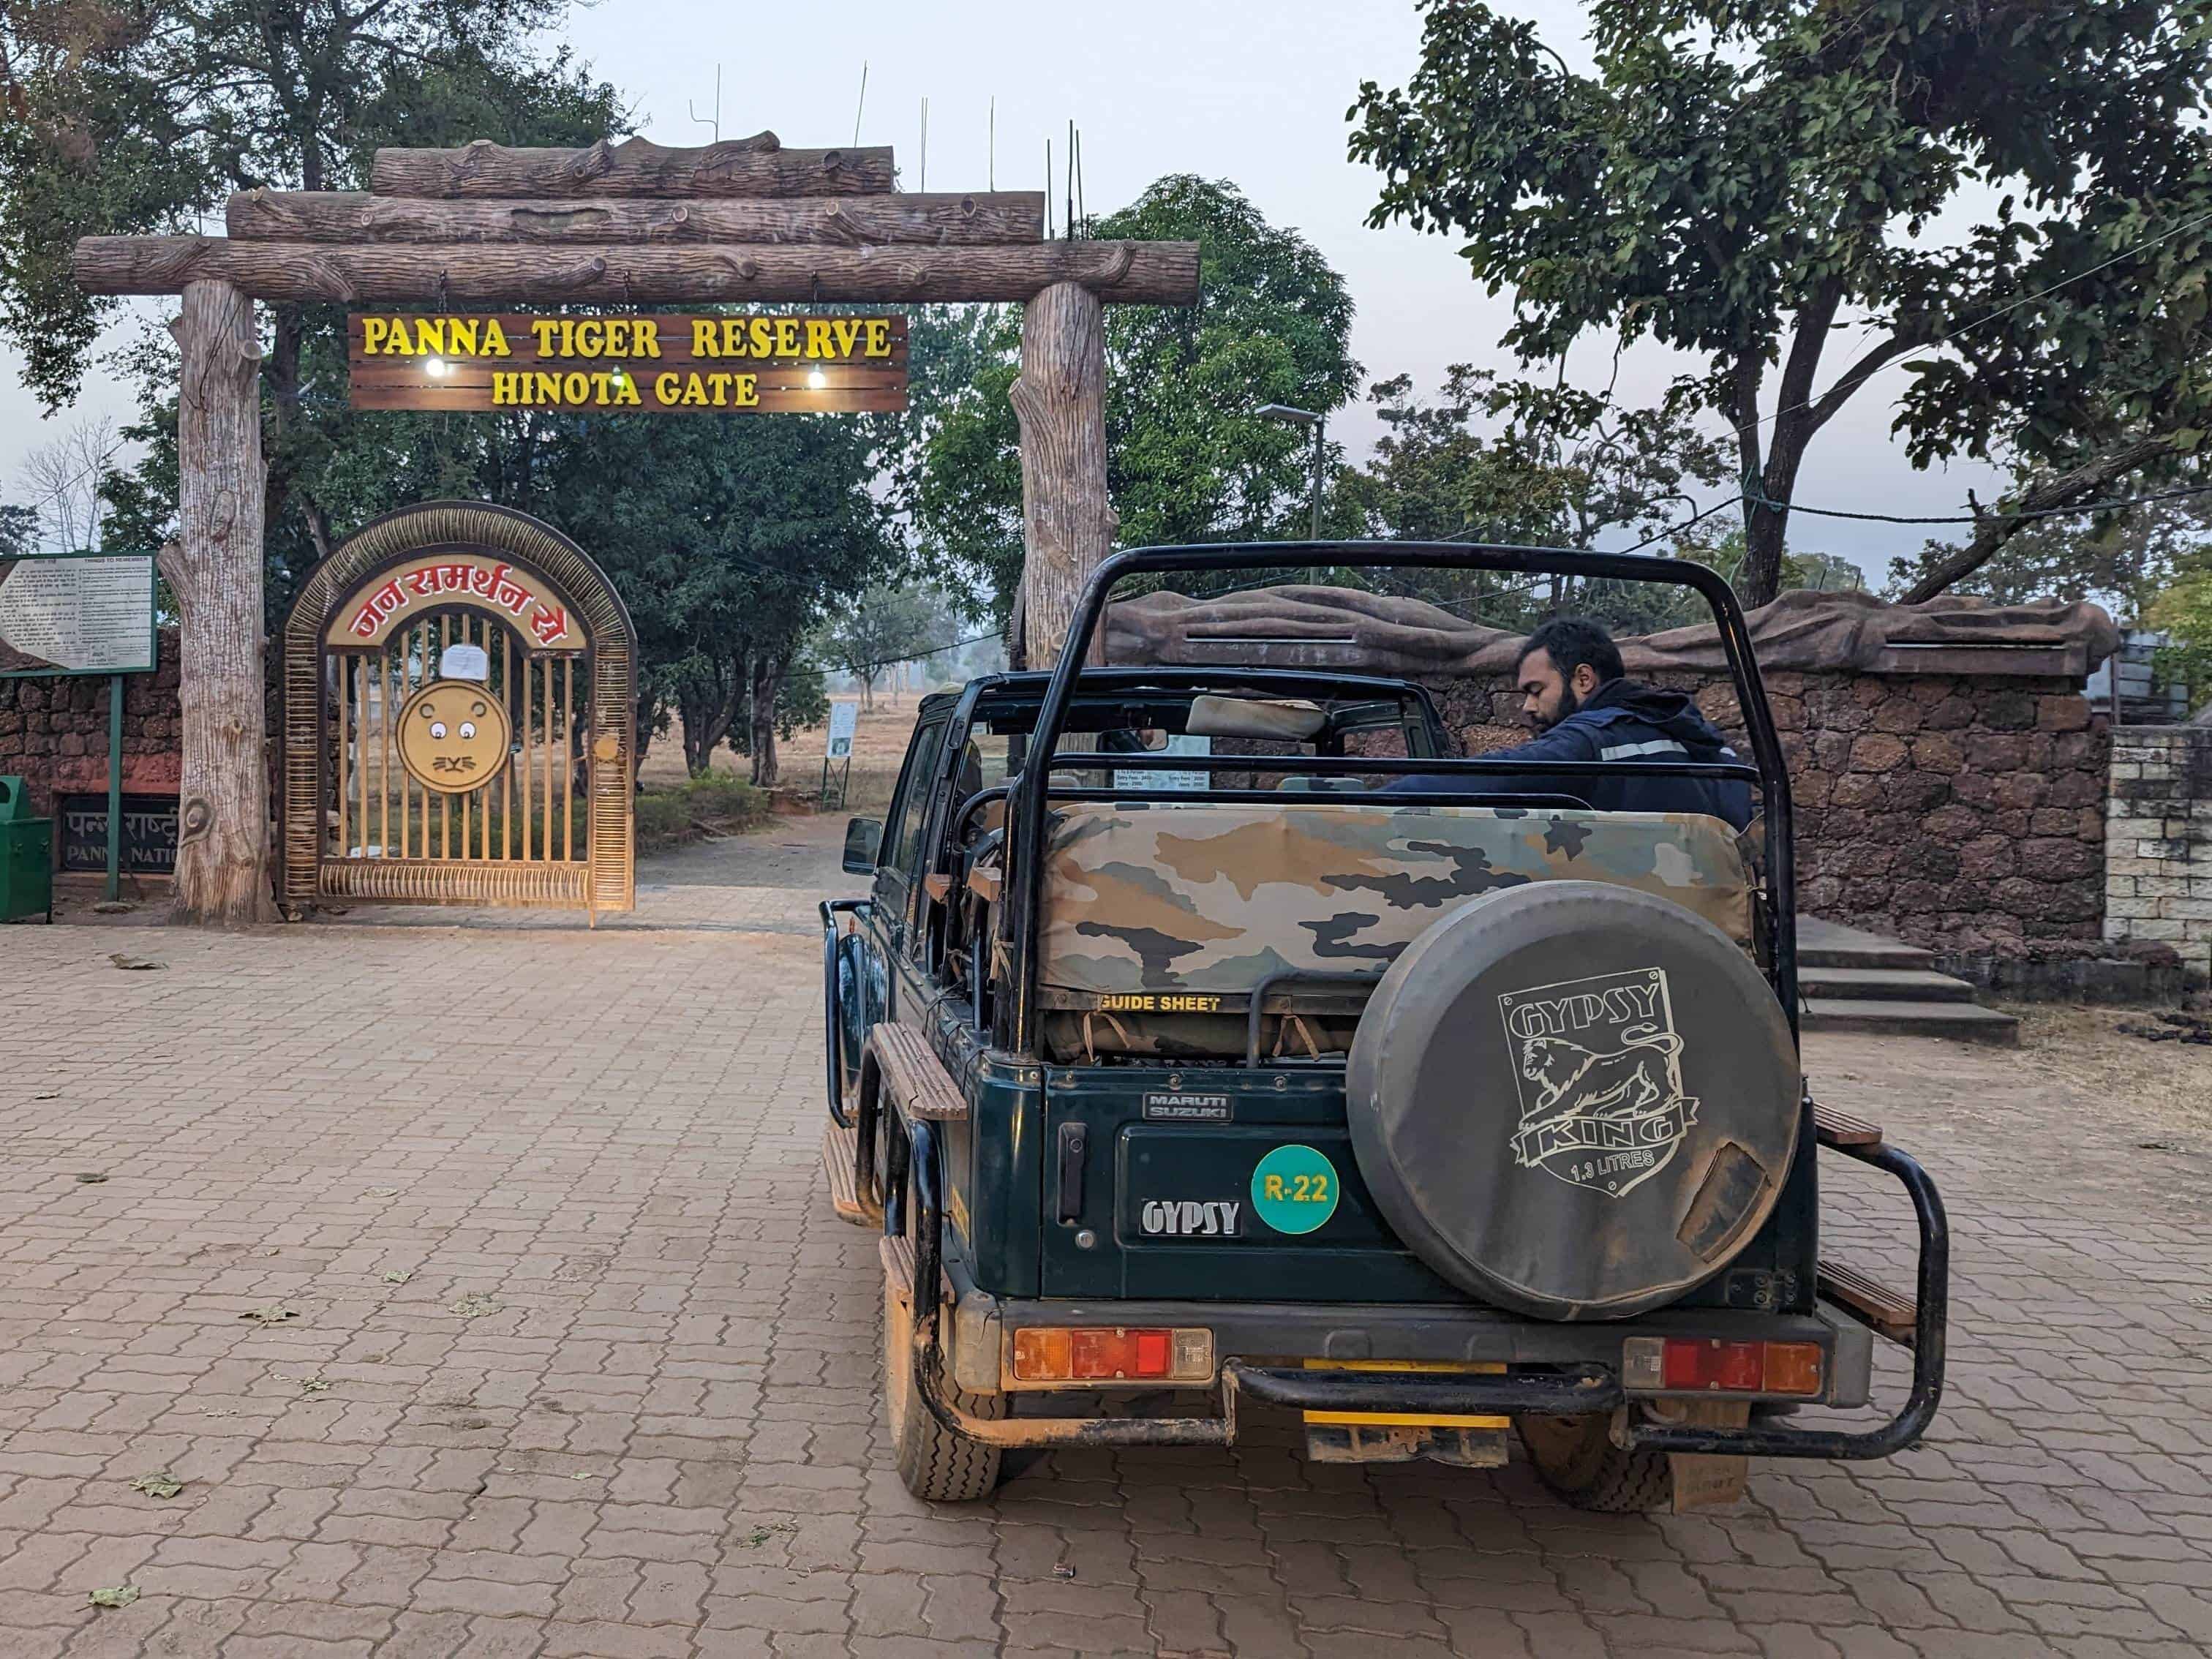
<point x="1284" y="413"/>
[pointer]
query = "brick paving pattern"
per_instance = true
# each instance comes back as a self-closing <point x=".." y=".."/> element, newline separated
<point x="478" y="1284"/>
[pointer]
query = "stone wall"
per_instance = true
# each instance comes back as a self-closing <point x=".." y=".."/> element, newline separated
<point x="53" y="732"/>
<point x="2158" y="841"/>
<point x="1961" y="813"/>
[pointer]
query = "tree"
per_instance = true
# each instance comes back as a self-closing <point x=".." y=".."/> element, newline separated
<point x="727" y="540"/>
<point x="1562" y="470"/>
<point x="64" y="479"/>
<point x="1738" y="177"/>
<point x="884" y="625"/>
<point x="1187" y="457"/>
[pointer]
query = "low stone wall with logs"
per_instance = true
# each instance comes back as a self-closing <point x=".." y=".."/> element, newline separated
<point x="53" y="732"/>
<point x="1949" y="776"/>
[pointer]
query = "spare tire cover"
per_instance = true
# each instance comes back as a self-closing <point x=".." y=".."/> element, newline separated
<point x="1574" y="1100"/>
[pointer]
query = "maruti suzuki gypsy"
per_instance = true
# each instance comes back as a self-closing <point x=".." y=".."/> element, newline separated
<point x="1182" y="1068"/>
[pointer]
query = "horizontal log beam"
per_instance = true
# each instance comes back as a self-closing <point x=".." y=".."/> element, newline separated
<point x="1142" y="273"/>
<point x="933" y="220"/>
<point x="758" y="166"/>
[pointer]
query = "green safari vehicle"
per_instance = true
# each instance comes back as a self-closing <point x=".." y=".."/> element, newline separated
<point x="1181" y="1067"/>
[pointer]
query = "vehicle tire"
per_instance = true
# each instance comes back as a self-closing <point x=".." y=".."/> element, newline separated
<point x="1574" y="1100"/>
<point x="1577" y="1461"/>
<point x="936" y="1463"/>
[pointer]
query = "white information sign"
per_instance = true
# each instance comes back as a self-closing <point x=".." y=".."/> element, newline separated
<point x="1182" y="782"/>
<point x="844" y="721"/>
<point x="78" y="614"/>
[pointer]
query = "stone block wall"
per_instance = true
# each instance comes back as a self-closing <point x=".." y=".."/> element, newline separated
<point x="1962" y="813"/>
<point x="53" y="732"/>
<point x="2158" y="841"/>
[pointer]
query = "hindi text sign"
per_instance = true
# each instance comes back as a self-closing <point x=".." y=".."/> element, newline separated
<point x="76" y="613"/>
<point x="732" y="363"/>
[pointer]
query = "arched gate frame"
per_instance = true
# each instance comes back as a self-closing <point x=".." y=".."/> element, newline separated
<point x="543" y="813"/>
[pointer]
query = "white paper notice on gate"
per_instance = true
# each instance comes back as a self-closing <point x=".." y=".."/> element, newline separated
<point x="844" y="721"/>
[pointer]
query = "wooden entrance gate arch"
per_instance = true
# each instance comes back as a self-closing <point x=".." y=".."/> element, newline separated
<point x="741" y="221"/>
<point x="460" y="687"/>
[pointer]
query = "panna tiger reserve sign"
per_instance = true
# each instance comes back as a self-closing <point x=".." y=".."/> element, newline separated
<point x="731" y="363"/>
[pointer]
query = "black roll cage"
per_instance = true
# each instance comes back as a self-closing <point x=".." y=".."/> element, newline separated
<point x="1015" y="1018"/>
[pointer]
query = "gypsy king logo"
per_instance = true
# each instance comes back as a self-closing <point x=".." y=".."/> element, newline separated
<point x="1598" y="1066"/>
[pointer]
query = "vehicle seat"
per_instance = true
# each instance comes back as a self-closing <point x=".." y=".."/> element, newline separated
<point x="1207" y="899"/>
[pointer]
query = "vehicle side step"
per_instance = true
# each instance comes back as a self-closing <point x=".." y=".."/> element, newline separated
<point x="840" y="1153"/>
<point x="1873" y="1304"/>
<point x="1836" y="1128"/>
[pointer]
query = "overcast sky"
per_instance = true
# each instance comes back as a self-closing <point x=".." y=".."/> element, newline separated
<point x="1254" y="91"/>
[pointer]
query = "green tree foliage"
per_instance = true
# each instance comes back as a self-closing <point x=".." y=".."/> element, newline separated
<point x="1561" y="469"/>
<point x="2183" y="614"/>
<point x="886" y="624"/>
<point x="1738" y="177"/>
<point x="1187" y="460"/>
<point x="120" y="115"/>
<point x="727" y="540"/>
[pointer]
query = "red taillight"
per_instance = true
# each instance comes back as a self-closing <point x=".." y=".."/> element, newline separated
<point x="1103" y="1353"/>
<point x="1707" y="1363"/>
<point x="1688" y="1364"/>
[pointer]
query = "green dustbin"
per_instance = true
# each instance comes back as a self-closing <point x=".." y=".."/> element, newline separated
<point x="27" y="855"/>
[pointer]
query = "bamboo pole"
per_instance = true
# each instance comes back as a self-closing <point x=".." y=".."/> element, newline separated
<point x="506" y="772"/>
<point x="384" y="765"/>
<point x="567" y="757"/>
<point x="545" y="818"/>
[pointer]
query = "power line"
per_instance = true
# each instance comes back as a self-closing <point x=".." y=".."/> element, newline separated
<point x="1979" y="518"/>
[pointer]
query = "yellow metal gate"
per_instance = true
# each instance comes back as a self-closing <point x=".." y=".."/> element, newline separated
<point x="457" y="726"/>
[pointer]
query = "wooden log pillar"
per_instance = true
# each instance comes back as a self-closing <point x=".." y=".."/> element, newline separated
<point x="1067" y="523"/>
<point x="213" y="568"/>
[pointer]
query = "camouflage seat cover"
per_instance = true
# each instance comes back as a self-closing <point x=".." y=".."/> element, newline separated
<point x="1207" y="899"/>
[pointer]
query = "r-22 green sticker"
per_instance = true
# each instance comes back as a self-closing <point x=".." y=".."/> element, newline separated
<point x="1294" y="1189"/>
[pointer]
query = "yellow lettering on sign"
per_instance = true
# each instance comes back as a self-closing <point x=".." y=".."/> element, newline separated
<point x="848" y="335"/>
<point x="748" y="391"/>
<point x="817" y="338"/>
<point x="543" y="328"/>
<point x="375" y="331"/>
<point x="1274" y="1186"/>
<point x="461" y="337"/>
<point x="494" y="339"/>
<point x="734" y="337"/>
<point x="626" y="392"/>
<point x="506" y="385"/>
<point x="695" y="392"/>
<point x="591" y="338"/>
<point x="543" y="388"/>
<point x="647" y="343"/>
<point x="786" y="337"/>
<point x="762" y="337"/>
<point x="705" y="331"/>
<point x="664" y="389"/>
<point x="576" y="387"/>
<point x="879" y="337"/>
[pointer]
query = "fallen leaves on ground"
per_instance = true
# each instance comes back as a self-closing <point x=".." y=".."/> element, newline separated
<point x="119" y="1596"/>
<point x="397" y="1278"/>
<point x="475" y="1305"/>
<point x="158" y="1483"/>
<point x="134" y="964"/>
<point x="91" y="1177"/>
<point x="761" y="1534"/>
<point x="275" y="1313"/>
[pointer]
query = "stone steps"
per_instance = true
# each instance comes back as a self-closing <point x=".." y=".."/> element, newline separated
<point x="1857" y="981"/>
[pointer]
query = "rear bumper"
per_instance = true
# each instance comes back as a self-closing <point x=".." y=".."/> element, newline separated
<point x="1549" y="1367"/>
<point x="1265" y="1334"/>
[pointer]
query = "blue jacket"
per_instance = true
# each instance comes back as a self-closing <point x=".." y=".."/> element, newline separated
<point x="1622" y="721"/>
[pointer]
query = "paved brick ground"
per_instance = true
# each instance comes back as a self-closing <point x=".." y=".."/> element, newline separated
<point x="567" y="1356"/>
